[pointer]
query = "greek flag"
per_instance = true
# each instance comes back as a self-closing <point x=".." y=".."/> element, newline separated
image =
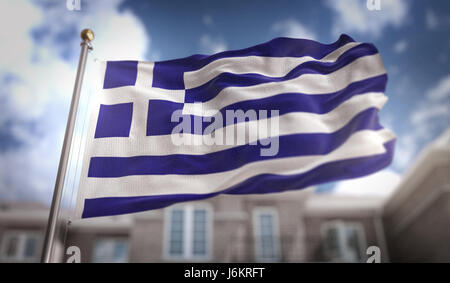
<point x="278" y="116"/>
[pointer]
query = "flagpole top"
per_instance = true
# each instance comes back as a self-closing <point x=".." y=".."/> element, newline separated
<point x="87" y="35"/>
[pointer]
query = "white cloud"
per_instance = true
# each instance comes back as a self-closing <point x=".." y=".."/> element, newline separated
<point x="380" y="184"/>
<point x="212" y="45"/>
<point x="431" y="114"/>
<point x="434" y="108"/>
<point x="15" y="55"/>
<point x="119" y="35"/>
<point x="405" y="150"/>
<point x="431" y="20"/>
<point x="294" y="29"/>
<point x="40" y="49"/>
<point x="400" y="46"/>
<point x="441" y="91"/>
<point x="208" y="21"/>
<point x="353" y="16"/>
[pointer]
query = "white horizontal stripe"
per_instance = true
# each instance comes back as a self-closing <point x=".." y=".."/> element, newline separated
<point x="361" y="144"/>
<point x="267" y="66"/>
<point x="360" y="69"/>
<point x="291" y="123"/>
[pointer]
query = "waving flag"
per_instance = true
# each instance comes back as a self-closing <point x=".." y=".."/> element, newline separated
<point x="167" y="132"/>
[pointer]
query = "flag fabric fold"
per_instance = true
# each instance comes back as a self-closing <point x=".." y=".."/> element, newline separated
<point x="168" y="132"/>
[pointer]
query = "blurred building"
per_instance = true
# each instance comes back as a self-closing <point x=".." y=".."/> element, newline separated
<point x="299" y="226"/>
<point x="417" y="216"/>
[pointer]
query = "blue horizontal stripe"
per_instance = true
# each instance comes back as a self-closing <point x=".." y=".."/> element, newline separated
<point x="169" y="74"/>
<point x="232" y="158"/>
<point x="160" y="111"/>
<point x="260" y="184"/>
<point x="212" y="88"/>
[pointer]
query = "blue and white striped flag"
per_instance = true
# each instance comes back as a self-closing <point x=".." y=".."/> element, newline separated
<point x="282" y="115"/>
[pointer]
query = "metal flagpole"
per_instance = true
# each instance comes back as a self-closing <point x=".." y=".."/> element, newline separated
<point x="87" y="36"/>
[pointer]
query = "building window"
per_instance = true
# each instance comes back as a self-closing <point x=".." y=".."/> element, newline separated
<point x="114" y="250"/>
<point x="20" y="246"/>
<point x="199" y="233"/>
<point x="266" y="234"/>
<point x="343" y="241"/>
<point x="189" y="232"/>
<point x="176" y="232"/>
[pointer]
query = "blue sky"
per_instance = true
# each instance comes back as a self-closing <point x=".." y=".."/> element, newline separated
<point x="41" y="44"/>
